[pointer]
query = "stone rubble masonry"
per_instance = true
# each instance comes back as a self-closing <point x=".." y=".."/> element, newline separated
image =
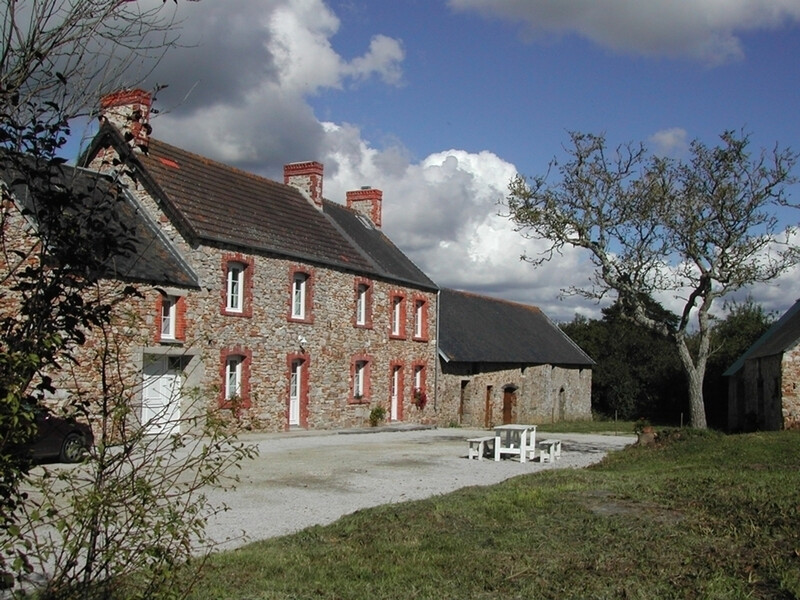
<point x="765" y="394"/>
<point x="265" y="331"/>
<point x="306" y="177"/>
<point x="367" y="201"/>
<point x="790" y="391"/>
<point x="538" y="393"/>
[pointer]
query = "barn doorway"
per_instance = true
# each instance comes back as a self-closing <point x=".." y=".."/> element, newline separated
<point x="509" y="403"/>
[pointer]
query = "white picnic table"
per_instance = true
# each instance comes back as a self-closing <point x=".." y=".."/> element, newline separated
<point x="515" y="440"/>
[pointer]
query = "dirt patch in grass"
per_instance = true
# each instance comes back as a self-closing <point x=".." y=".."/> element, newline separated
<point x="605" y="503"/>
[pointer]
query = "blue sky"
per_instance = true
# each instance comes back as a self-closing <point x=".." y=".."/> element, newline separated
<point x="440" y="102"/>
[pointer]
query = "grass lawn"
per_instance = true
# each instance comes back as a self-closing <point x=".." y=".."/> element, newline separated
<point x="700" y="515"/>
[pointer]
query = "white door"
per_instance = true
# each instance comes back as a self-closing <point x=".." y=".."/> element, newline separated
<point x="395" y="400"/>
<point x="294" y="393"/>
<point x="161" y="395"/>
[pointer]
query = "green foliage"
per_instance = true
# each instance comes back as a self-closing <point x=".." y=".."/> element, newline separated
<point x="637" y="372"/>
<point x="698" y="516"/>
<point x="54" y="55"/>
<point x="377" y="415"/>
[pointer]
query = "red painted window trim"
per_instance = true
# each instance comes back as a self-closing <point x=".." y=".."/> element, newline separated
<point x="249" y="267"/>
<point x="310" y="274"/>
<point x="423" y="337"/>
<point x="180" y="320"/>
<point x="401" y="335"/>
<point x="304" y="386"/>
<point x="247" y="358"/>
<point x="367" y="324"/>
<point x="365" y="397"/>
<point x="400" y="392"/>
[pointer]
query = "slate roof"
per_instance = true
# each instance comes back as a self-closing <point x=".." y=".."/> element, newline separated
<point x="783" y="334"/>
<point x="217" y="204"/>
<point x="385" y="258"/>
<point x="152" y="259"/>
<point x="475" y="328"/>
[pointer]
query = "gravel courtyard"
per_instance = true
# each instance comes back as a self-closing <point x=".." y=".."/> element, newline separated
<point x="311" y="478"/>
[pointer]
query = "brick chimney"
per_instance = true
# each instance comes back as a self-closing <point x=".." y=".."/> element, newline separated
<point x="367" y="201"/>
<point x="306" y="177"/>
<point x="129" y="111"/>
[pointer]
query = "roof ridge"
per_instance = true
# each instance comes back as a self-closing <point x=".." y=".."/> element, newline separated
<point x="532" y="307"/>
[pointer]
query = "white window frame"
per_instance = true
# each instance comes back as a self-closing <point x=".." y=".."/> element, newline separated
<point x="419" y="307"/>
<point x="233" y="377"/>
<point x="361" y="303"/>
<point x="169" y="314"/>
<point x="299" y="290"/>
<point x="397" y="315"/>
<point x="359" y="378"/>
<point x="418" y="377"/>
<point x="235" y="292"/>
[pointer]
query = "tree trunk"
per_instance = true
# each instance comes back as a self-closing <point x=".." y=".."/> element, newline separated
<point x="694" y="376"/>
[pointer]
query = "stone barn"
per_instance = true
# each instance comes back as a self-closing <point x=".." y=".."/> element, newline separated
<point x="504" y="362"/>
<point x="763" y="383"/>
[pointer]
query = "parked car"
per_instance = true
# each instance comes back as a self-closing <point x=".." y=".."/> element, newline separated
<point x="61" y="438"/>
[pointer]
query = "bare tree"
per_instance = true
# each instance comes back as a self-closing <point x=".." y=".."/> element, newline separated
<point x="658" y="228"/>
<point x="59" y="56"/>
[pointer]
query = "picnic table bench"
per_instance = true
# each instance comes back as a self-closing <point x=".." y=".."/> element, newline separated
<point x="549" y="450"/>
<point x="481" y="446"/>
<point x="514" y="440"/>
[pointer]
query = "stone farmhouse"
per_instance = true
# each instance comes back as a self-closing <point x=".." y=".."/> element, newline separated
<point x="503" y="362"/>
<point x="287" y="310"/>
<point x="764" y="383"/>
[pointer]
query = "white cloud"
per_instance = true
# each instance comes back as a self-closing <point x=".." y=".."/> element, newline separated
<point x="238" y="86"/>
<point x="701" y="29"/>
<point x="238" y="93"/>
<point x="669" y="142"/>
<point x="444" y="211"/>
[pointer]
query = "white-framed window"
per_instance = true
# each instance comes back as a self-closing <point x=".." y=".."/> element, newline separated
<point x="419" y="318"/>
<point x="361" y="303"/>
<point x="168" y="317"/>
<point x="299" y="290"/>
<point x="397" y="315"/>
<point x="359" y="379"/>
<point x="235" y="292"/>
<point x="233" y="377"/>
<point x="418" y="373"/>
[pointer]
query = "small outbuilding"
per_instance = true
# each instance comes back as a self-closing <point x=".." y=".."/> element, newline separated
<point x="505" y="362"/>
<point x="764" y="382"/>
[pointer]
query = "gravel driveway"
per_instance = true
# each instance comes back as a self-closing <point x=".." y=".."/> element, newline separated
<point x="311" y="478"/>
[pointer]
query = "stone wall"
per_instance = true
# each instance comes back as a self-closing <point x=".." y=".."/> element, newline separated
<point x="327" y="341"/>
<point x="755" y="395"/>
<point x="474" y="395"/>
